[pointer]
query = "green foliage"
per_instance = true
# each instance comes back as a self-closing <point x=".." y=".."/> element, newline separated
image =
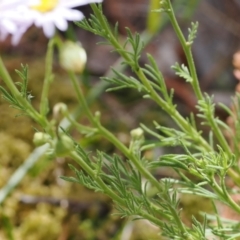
<point x="14" y="102"/>
<point x="192" y="33"/>
<point x="24" y="76"/>
<point x="182" y="71"/>
<point x="122" y="81"/>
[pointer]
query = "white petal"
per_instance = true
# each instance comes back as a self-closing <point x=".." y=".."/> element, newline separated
<point x="10" y="4"/>
<point x="34" y="2"/>
<point x="17" y="36"/>
<point x="3" y="33"/>
<point x="76" y="3"/>
<point x="43" y="19"/>
<point x="61" y="23"/>
<point x="9" y="25"/>
<point x="72" y="15"/>
<point x="48" y="29"/>
<point x="12" y="20"/>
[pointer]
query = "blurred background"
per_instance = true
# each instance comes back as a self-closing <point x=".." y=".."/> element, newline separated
<point x="43" y="206"/>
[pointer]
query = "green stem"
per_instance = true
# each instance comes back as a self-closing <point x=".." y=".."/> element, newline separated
<point x="110" y="137"/>
<point x="180" y="121"/>
<point x="195" y="84"/>
<point x="81" y="98"/>
<point x="110" y="35"/>
<point x="151" y="219"/>
<point x="78" y="126"/>
<point x="178" y="220"/>
<point x="234" y="175"/>
<point x="187" y="50"/>
<point x="47" y="79"/>
<point x="222" y="192"/>
<point x="219" y="135"/>
<point x="153" y="18"/>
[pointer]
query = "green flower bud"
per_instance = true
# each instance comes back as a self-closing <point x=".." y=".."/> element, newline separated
<point x="64" y="146"/>
<point x="41" y="138"/>
<point x="58" y="110"/>
<point x="73" y="57"/>
<point x="137" y="134"/>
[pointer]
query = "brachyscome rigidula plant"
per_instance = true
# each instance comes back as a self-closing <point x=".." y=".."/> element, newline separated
<point x="128" y="178"/>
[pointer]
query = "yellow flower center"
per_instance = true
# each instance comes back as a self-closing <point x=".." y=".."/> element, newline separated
<point x="45" y="5"/>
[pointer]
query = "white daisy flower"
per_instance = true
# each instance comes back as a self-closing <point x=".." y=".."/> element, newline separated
<point x="16" y="16"/>
<point x="49" y="14"/>
<point x="11" y="21"/>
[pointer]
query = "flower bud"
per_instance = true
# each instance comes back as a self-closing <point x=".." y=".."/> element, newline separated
<point x="41" y="138"/>
<point x="73" y="57"/>
<point x="137" y="134"/>
<point x="59" y="109"/>
<point x="64" y="146"/>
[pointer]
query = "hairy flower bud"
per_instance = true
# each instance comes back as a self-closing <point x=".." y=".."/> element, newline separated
<point x="137" y="134"/>
<point x="64" y="146"/>
<point x="41" y="138"/>
<point x="59" y="109"/>
<point x="73" y="57"/>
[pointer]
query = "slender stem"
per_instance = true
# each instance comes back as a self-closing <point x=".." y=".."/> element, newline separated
<point x="80" y="127"/>
<point x="108" y="135"/>
<point x="47" y="79"/>
<point x="219" y="135"/>
<point x="180" y="121"/>
<point x="178" y="220"/>
<point x="222" y="192"/>
<point x="231" y="202"/>
<point x="81" y="98"/>
<point x="187" y="51"/>
<point x="195" y="84"/>
<point x="110" y="35"/>
<point x="153" y="18"/>
<point x="234" y="175"/>
<point x="151" y="219"/>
